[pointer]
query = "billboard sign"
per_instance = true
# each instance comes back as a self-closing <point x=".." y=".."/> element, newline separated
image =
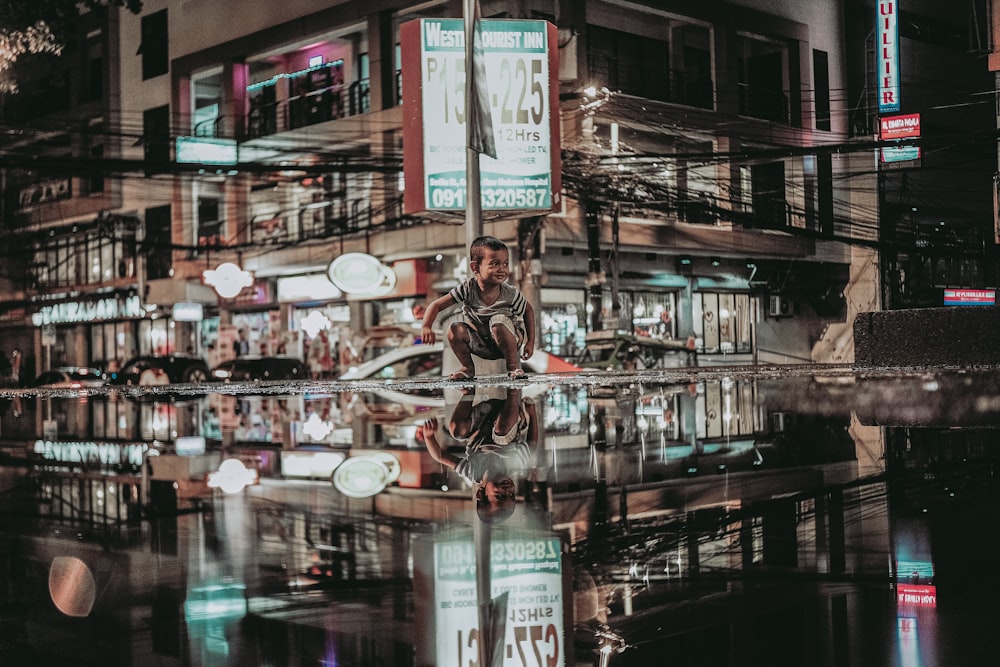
<point x="887" y="27"/>
<point x="521" y="62"/>
<point x="529" y="570"/>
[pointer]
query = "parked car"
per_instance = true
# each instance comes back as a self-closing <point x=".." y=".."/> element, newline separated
<point x="427" y="361"/>
<point x="162" y="369"/>
<point x="415" y="361"/>
<point x="616" y="350"/>
<point x="70" y="377"/>
<point x="254" y="368"/>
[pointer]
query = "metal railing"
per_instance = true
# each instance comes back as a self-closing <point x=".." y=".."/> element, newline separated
<point x="313" y="221"/>
<point x="318" y="106"/>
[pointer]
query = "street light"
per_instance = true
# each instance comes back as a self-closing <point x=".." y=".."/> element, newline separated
<point x="227" y="279"/>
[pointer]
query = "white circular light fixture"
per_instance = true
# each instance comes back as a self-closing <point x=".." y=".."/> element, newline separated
<point x="315" y="322"/>
<point x="316" y="428"/>
<point x="361" y="273"/>
<point x="228" y="279"/>
<point x="232" y="476"/>
<point x="361" y="477"/>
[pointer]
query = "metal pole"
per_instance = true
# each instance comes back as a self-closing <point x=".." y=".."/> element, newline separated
<point x="473" y="203"/>
<point x="474" y="229"/>
<point x="484" y="594"/>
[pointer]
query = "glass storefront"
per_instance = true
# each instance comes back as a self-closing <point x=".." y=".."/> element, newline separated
<point x="111" y="344"/>
<point x="564" y="322"/>
<point x="723" y="322"/>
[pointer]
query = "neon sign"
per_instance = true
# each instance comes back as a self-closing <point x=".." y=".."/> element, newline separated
<point x="888" y="55"/>
<point x="111" y="308"/>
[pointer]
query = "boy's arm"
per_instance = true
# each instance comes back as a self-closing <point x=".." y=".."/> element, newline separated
<point x="529" y="331"/>
<point x="437" y="305"/>
<point x="429" y="430"/>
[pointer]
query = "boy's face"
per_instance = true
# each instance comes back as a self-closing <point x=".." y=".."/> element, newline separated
<point x="495" y="267"/>
<point x="499" y="490"/>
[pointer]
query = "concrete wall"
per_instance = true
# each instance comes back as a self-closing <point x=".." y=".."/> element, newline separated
<point x="928" y="337"/>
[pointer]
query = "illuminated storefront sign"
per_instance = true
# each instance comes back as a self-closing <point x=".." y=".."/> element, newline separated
<point x="310" y="465"/>
<point x="895" y="128"/>
<point x="521" y="67"/>
<point x="205" y="150"/>
<point x="188" y="312"/>
<point x="529" y="571"/>
<point x="104" y="453"/>
<point x="899" y="127"/>
<point x="970" y="297"/>
<point x="190" y="445"/>
<point x="311" y="288"/>
<point x="111" y="308"/>
<point x="888" y="55"/>
<point x="913" y="595"/>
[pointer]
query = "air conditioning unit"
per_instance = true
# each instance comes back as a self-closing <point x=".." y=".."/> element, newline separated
<point x="782" y="421"/>
<point x="780" y="306"/>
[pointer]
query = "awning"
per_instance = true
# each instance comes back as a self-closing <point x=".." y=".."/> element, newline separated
<point x="167" y="292"/>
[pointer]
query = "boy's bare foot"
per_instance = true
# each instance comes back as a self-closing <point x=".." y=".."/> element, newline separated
<point x="462" y="374"/>
<point x="516" y="374"/>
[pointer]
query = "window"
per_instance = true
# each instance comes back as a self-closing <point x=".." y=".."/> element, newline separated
<point x="86" y="258"/>
<point x="156" y="135"/>
<point x="821" y="85"/>
<point x="824" y="192"/>
<point x="95" y="184"/>
<point x="761" y="79"/>
<point x="93" y="88"/>
<point x="111" y="345"/>
<point x="722" y="322"/>
<point x="154" y="46"/>
<point x="632" y="64"/>
<point x="691" y="76"/>
<point x="157" y="243"/>
<point x="206" y="94"/>
<point x="210" y="217"/>
<point x="768" y="194"/>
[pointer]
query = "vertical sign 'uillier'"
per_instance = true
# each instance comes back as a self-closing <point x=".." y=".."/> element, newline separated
<point x="887" y="27"/>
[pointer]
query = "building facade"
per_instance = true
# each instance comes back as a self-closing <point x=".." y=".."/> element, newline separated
<point x="716" y="183"/>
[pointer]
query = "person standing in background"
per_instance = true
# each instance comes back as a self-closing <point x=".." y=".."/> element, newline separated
<point x="241" y="345"/>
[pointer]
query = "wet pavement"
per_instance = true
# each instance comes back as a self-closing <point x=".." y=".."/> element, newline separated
<point x="802" y="515"/>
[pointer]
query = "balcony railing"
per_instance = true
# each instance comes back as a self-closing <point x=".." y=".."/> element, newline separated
<point x="269" y="115"/>
<point x="313" y="221"/>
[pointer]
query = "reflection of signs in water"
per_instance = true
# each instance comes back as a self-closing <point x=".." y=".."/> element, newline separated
<point x="46" y="191"/>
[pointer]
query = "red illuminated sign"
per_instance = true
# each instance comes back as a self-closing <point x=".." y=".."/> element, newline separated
<point x="900" y="127"/>
<point x="913" y="595"/>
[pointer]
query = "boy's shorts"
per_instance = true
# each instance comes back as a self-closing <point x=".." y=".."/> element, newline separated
<point x="484" y="345"/>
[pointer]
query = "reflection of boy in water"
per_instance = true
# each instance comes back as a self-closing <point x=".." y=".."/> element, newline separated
<point x="496" y="434"/>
